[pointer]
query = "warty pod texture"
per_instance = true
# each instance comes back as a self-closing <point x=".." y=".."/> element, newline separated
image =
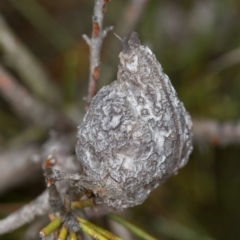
<point x="136" y="133"/>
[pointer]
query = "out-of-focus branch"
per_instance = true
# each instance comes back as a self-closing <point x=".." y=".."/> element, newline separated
<point x="227" y="60"/>
<point x="203" y="131"/>
<point x="29" y="108"/>
<point x="95" y="45"/>
<point x="39" y="207"/>
<point x="18" y="166"/>
<point x="62" y="148"/>
<point x="220" y="134"/>
<point x="132" y="14"/>
<point x="59" y="37"/>
<point x="23" y="163"/>
<point x="29" y="69"/>
<point x="26" y="214"/>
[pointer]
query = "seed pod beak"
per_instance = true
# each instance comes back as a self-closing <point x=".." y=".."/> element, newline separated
<point x="134" y="40"/>
<point x="125" y="47"/>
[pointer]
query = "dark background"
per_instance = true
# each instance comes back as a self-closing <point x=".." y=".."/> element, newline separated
<point x="197" y="43"/>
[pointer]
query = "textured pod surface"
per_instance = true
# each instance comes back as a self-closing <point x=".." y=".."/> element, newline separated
<point x="136" y="133"/>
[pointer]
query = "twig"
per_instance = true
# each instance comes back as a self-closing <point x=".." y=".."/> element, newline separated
<point x="38" y="207"/>
<point x="26" y="214"/>
<point x="95" y="45"/>
<point x="29" y="108"/>
<point x="211" y="131"/>
<point x="62" y="148"/>
<point x="21" y="164"/>
<point x="205" y="131"/>
<point x="22" y="61"/>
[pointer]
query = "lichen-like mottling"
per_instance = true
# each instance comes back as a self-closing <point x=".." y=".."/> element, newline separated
<point x="136" y="133"/>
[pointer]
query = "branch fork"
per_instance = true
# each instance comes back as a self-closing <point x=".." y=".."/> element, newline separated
<point x="95" y="45"/>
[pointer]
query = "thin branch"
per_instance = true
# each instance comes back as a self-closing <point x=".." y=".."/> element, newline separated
<point x="27" y="66"/>
<point x="26" y="214"/>
<point x="39" y="207"/>
<point x="205" y="131"/>
<point x="95" y="45"/>
<point x="220" y="134"/>
<point x="107" y="30"/>
<point x="87" y="39"/>
<point x="21" y="164"/>
<point x="26" y="106"/>
<point x="62" y="148"/>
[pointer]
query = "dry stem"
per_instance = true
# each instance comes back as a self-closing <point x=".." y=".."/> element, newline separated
<point x="95" y="45"/>
<point x="22" y="61"/>
<point x="216" y="133"/>
<point x="26" y="214"/>
<point x="26" y="106"/>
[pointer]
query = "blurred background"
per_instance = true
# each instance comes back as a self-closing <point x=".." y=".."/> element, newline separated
<point x="44" y="68"/>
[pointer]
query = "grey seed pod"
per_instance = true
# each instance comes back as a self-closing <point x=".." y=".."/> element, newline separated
<point x="136" y="133"/>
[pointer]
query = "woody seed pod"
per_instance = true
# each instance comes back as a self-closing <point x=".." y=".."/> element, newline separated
<point x="136" y="133"/>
